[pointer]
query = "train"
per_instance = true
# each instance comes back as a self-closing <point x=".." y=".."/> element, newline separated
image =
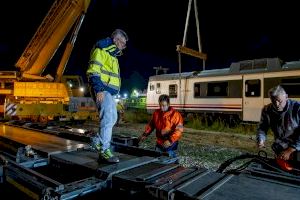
<point x="238" y="92"/>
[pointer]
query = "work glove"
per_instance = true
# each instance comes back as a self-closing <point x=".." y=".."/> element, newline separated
<point x="287" y="153"/>
<point x="167" y="144"/>
<point x="100" y="97"/>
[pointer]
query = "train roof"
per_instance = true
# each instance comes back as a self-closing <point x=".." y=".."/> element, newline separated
<point x="241" y="67"/>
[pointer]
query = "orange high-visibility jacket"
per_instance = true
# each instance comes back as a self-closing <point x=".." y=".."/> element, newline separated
<point x="168" y="125"/>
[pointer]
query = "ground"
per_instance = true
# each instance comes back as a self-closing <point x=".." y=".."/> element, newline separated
<point x="200" y="148"/>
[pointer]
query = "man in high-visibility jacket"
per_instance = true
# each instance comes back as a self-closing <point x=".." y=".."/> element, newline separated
<point x="169" y="127"/>
<point x="104" y="81"/>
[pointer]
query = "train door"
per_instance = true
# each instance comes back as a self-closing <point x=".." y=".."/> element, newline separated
<point x="252" y="97"/>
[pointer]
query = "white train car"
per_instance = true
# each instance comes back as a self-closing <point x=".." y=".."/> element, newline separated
<point x="238" y="92"/>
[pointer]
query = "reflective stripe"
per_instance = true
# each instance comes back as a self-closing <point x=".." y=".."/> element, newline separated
<point x="11" y="109"/>
<point x="179" y="129"/>
<point x="106" y="66"/>
<point x="9" y="106"/>
<point x="179" y="126"/>
<point x="96" y="63"/>
<point x="109" y="73"/>
<point x="111" y="79"/>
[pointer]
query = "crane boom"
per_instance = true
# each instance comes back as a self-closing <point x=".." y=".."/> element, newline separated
<point x="27" y="94"/>
<point x="59" y="20"/>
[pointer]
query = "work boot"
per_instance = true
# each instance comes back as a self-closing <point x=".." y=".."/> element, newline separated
<point x="95" y="146"/>
<point x="108" y="156"/>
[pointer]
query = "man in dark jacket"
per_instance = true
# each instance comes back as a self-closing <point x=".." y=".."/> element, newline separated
<point x="282" y="115"/>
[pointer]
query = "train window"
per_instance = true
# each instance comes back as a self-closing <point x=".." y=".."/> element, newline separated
<point x="291" y="86"/>
<point x="252" y="88"/>
<point x="173" y="91"/>
<point x="218" y="89"/>
<point x="197" y="90"/>
<point x="151" y="87"/>
<point x="158" y="88"/>
<point x="235" y="88"/>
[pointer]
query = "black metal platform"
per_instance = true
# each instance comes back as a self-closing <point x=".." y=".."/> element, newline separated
<point x="62" y="168"/>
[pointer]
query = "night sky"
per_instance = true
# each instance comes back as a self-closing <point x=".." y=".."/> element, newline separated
<point x="229" y="32"/>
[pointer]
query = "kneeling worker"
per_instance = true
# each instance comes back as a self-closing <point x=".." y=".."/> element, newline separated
<point x="169" y="127"/>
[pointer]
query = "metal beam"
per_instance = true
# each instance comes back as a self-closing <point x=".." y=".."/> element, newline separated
<point x="191" y="52"/>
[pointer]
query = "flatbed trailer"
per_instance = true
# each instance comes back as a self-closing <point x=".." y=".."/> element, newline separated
<point x="48" y="163"/>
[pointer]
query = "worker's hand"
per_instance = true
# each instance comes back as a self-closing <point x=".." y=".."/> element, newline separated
<point x="261" y="144"/>
<point x="167" y="144"/>
<point x="100" y="97"/>
<point x="286" y="154"/>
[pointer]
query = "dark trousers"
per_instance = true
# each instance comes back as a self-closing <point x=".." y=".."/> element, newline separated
<point x="171" y="150"/>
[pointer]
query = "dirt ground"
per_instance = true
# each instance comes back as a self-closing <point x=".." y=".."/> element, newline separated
<point x="200" y="148"/>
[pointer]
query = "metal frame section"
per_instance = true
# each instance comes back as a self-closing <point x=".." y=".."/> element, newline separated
<point x="277" y="176"/>
<point x="164" y="187"/>
<point x="30" y="182"/>
<point x="232" y="186"/>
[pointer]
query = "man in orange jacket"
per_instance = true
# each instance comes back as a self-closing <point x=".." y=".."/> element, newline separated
<point x="169" y="127"/>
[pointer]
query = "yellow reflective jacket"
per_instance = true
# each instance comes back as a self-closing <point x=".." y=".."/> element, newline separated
<point x="105" y="66"/>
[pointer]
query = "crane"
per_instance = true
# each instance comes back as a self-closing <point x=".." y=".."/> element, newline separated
<point x="25" y="93"/>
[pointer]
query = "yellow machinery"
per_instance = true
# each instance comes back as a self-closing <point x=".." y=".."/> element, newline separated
<point x="25" y="93"/>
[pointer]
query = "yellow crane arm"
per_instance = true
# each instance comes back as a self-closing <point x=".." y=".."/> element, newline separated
<point x="59" y="20"/>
